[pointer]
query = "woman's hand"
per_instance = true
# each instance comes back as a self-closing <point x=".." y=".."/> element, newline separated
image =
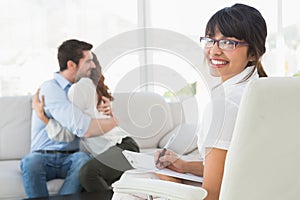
<point x="105" y="106"/>
<point x="38" y="106"/>
<point x="169" y="160"/>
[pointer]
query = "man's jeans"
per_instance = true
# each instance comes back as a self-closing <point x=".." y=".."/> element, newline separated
<point x="38" y="168"/>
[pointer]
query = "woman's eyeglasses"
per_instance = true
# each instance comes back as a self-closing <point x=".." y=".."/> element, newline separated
<point x="207" y="42"/>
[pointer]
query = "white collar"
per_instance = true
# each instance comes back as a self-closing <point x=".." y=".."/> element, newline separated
<point x="239" y="77"/>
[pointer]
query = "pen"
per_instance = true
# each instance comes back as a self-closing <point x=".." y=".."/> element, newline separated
<point x="165" y="148"/>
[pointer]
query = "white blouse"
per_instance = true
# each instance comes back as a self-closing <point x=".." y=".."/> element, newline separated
<point x="220" y="114"/>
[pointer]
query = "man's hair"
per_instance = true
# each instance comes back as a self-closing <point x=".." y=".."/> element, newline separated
<point x="71" y="50"/>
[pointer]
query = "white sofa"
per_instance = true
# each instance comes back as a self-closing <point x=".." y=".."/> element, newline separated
<point x="147" y="116"/>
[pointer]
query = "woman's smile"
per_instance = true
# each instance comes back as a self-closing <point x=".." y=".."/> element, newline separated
<point x="218" y="63"/>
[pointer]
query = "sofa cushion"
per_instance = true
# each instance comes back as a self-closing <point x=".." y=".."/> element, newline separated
<point x="11" y="179"/>
<point x="12" y="184"/>
<point x="15" y="125"/>
<point x="146" y="116"/>
<point x="185" y="140"/>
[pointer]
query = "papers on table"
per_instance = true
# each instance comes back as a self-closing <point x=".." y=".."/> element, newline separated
<point x="145" y="162"/>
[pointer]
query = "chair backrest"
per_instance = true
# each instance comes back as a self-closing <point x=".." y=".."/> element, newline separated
<point x="263" y="161"/>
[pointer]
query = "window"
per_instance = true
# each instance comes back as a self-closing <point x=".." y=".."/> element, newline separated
<point x="32" y="30"/>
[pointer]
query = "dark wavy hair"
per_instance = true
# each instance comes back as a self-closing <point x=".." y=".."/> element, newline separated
<point x="98" y="79"/>
<point x="244" y="23"/>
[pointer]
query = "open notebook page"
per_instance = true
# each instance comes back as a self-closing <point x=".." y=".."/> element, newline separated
<point x="145" y="162"/>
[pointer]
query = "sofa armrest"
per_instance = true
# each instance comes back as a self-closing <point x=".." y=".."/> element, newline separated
<point x="185" y="139"/>
<point x="15" y="126"/>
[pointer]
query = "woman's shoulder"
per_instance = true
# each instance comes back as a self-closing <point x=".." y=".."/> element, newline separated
<point x="84" y="83"/>
<point x="83" y="86"/>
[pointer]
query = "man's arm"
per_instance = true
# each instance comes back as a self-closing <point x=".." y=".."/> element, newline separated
<point x="59" y="133"/>
<point x="54" y="129"/>
<point x="38" y="106"/>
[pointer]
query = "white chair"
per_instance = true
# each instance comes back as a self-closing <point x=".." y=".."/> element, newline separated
<point x="263" y="161"/>
<point x="159" y="188"/>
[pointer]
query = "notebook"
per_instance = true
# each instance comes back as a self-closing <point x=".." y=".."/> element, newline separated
<point x="145" y="162"/>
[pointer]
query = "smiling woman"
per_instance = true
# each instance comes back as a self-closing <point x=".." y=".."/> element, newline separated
<point x="233" y="51"/>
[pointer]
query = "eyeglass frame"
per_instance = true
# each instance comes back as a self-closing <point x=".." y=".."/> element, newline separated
<point x="236" y="43"/>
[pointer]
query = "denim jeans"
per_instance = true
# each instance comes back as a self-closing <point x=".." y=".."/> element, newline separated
<point x="38" y="168"/>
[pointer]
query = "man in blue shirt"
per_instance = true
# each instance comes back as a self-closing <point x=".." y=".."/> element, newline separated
<point x="50" y="159"/>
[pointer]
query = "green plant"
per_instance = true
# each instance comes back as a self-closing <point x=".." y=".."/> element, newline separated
<point x="187" y="91"/>
<point x="297" y="74"/>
